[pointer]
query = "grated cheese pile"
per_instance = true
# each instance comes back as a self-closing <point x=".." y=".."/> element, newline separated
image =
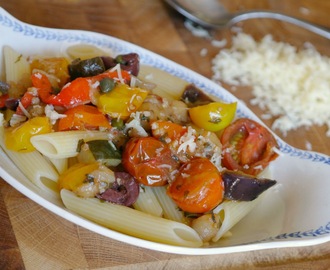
<point x="291" y="85"/>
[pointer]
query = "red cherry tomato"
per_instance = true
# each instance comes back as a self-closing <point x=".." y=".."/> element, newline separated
<point x="198" y="187"/>
<point x="247" y="146"/>
<point x="149" y="160"/>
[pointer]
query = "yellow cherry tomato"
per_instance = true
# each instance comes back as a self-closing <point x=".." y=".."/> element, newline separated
<point x="121" y="101"/>
<point x="214" y="116"/>
<point x="18" y="138"/>
<point x="76" y="175"/>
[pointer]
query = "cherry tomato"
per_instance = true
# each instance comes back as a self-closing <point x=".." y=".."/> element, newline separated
<point x="198" y="187"/>
<point x="83" y="117"/>
<point x="167" y="131"/>
<point x="149" y="160"/>
<point x="247" y="146"/>
<point x="214" y="116"/>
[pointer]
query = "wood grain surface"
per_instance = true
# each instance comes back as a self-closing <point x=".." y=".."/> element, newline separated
<point x="34" y="238"/>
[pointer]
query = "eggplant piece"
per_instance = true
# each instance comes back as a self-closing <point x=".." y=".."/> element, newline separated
<point x="243" y="187"/>
<point x="193" y="96"/>
<point x="124" y="191"/>
<point x="129" y="62"/>
<point x="86" y="68"/>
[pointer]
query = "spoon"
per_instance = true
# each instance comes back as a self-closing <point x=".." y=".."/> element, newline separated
<point x="212" y="14"/>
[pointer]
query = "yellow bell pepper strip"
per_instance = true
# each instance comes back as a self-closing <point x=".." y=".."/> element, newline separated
<point x="18" y="138"/>
<point x="83" y="117"/>
<point x="76" y="175"/>
<point x="83" y="90"/>
<point x="122" y="101"/>
<point x="214" y="116"/>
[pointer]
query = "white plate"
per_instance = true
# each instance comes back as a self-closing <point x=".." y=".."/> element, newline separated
<point x="297" y="212"/>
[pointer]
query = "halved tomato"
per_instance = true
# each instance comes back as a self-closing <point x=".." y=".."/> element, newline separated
<point x="247" y="146"/>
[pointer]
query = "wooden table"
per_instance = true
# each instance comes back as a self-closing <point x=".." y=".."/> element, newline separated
<point x="33" y="238"/>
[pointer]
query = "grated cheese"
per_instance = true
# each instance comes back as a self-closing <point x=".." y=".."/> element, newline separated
<point x="291" y="85"/>
<point x="52" y="114"/>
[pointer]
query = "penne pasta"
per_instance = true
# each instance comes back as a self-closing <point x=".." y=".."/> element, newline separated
<point x="232" y="212"/>
<point x="84" y="51"/>
<point x="17" y="67"/>
<point x="64" y="144"/>
<point x="148" y="203"/>
<point x="171" y="210"/>
<point x="132" y="222"/>
<point x="167" y="85"/>
<point x="61" y="164"/>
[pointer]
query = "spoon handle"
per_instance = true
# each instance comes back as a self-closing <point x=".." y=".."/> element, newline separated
<point x="282" y="17"/>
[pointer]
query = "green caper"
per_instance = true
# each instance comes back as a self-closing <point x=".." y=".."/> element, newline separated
<point x="107" y="84"/>
<point x="117" y="123"/>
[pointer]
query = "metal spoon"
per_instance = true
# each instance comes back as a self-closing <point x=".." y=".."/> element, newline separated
<point x="212" y="14"/>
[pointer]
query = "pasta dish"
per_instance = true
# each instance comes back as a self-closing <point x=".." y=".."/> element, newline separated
<point x="160" y="161"/>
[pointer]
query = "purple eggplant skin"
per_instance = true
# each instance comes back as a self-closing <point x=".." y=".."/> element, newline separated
<point x="124" y="191"/>
<point x="243" y="187"/>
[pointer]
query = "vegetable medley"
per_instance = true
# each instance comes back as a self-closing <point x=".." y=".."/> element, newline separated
<point x="194" y="146"/>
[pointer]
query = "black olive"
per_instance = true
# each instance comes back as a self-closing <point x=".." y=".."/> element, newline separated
<point x="193" y="96"/>
<point x="129" y="62"/>
<point x="125" y="190"/>
<point x="12" y="103"/>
